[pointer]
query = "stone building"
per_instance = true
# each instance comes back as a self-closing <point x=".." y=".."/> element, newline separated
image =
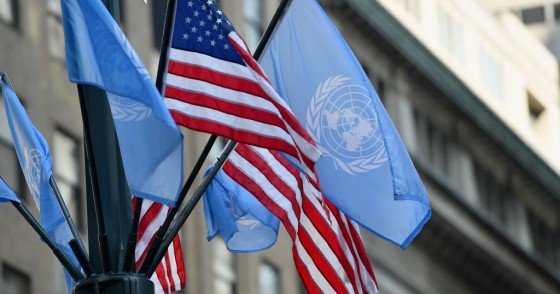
<point x="473" y="92"/>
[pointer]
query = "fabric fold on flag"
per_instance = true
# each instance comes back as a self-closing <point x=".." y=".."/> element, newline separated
<point x="36" y="163"/>
<point x="6" y="194"/>
<point x="243" y="222"/>
<point x="170" y="275"/>
<point x="327" y="246"/>
<point x="98" y="53"/>
<point x="365" y="171"/>
<point x="213" y="85"/>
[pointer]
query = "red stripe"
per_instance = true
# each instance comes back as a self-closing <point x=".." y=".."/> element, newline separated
<point x="318" y="221"/>
<point x="217" y="78"/>
<point x="257" y="161"/>
<point x="304" y="274"/>
<point x="179" y="261"/>
<point x="321" y="261"/>
<point x="242" y="179"/>
<point x="148" y="217"/>
<point x="240" y="110"/>
<point x="212" y="127"/>
<point x="160" y="272"/>
<point x="286" y="113"/>
<point x="169" y="273"/>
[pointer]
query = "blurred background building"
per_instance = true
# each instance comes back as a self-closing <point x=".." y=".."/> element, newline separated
<point x="472" y="86"/>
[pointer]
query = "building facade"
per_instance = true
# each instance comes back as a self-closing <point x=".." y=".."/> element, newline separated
<point x="474" y="94"/>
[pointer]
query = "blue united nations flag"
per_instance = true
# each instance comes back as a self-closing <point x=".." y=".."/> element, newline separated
<point x="365" y="170"/>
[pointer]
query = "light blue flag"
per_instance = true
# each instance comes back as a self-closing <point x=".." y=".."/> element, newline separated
<point x="365" y="170"/>
<point x="98" y="53"/>
<point x="36" y="163"/>
<point x="6" y="194"/>
<point x="244" y="223"/>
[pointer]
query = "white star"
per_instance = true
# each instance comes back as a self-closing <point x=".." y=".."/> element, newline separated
<point x="188" y="20"/>
<point x="212" y="43"/>
<point x="220" y="36"/>
<point x="204" y="7"/>
<point x="207" y="33"/>
<point x="219" y="21"/>
<point x="190" y="3"/>
<point x="209" y="16"/>
<point x="194" y="29"/>
<point x="215" y="27"/>
<point x="199" y="39"/>
<point x="201" y="23"/>
<point x="226" y="46"/>
<point x="209" y="2"/>
<point x="185" y="36"/>
<point x="196" y="13"/>
<point x="219" y="12"/>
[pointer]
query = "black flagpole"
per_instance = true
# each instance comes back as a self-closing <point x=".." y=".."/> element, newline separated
<point x="77" y="245"/>
<point x="148" y="266"/>
<point x="64" y="260"/>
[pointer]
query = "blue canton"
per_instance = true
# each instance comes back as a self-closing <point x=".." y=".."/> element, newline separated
<point x="200" y="26"/>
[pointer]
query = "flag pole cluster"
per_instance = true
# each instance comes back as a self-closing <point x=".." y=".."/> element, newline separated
<point x="312" y="138"/>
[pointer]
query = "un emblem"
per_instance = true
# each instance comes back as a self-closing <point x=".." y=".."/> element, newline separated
<point x="32" y="170"/>
<point x="344" y="123"/>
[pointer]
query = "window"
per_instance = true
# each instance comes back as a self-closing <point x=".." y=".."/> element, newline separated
<point x="9" y="12"/>
<point x="450" y="34"/>
<point x="557" y="12"/>
<point x="535" y="109"/>
<point x="432" y="144"/>
<point x="159" y="9"/>
<point x="14" y="281"/>
<point x="491" y="73"/>
<point x="66" y="172"/>
<point x="494" y="197"/>
<point x="223" y="268"/>
<point x="269" y="279"/>
<point x="411" y="6"/>
<point x="533" y="15"/>
<point x="9" y="165"/>
<point x="253" y="23"/>
<point x="546" y="241"/>
<point x="55" y="31"/>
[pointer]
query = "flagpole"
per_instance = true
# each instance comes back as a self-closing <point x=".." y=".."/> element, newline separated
<point x="197" y="195"/>
<point x="64" y="260"/>
<point x="78" y="246"/>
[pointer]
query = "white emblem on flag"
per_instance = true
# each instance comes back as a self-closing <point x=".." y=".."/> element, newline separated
<point x="343" y="122"/>
<point x="125" y="109"/>
<point x="32" y="171"/>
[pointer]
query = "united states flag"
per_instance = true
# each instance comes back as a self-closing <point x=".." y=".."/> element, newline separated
<point x="213" y="85"/>
<point x="170" y="273"/>
<point x="327" y="247"/>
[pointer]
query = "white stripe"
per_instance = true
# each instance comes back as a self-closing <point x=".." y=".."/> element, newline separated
<point x="308" y="149"/>
<point x="314" y="272"/>
<point x="212" y="63"/>
<point x="157" y="285"/>
<point x="366" y="277"/>
<point x="276" y="196"/>
<point x="222" y="93"/>
<point x="176" y="281"/>
<point x="151" y="230"/>
<point x="230" y="121"/>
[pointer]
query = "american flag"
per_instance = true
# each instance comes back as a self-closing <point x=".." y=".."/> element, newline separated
<point x="327" y="247"/>
<point x="170" y="273"/>
<point x="213" y="85"/>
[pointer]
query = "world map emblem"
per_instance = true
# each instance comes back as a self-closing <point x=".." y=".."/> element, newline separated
<point x="343" y="121"/>
<point x="32" y="170"/>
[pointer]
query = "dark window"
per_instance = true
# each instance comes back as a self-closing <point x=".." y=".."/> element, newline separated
<point x="14" y="281"/>
<point x="9" y="12"/>
<point x="532" y="15"/>
<point x="159" y="9"/>
<point x="535" y="109"/>
<point x="493" y="195"/>
<point x="557" y="12"/>
<point x="545" y="240"/>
